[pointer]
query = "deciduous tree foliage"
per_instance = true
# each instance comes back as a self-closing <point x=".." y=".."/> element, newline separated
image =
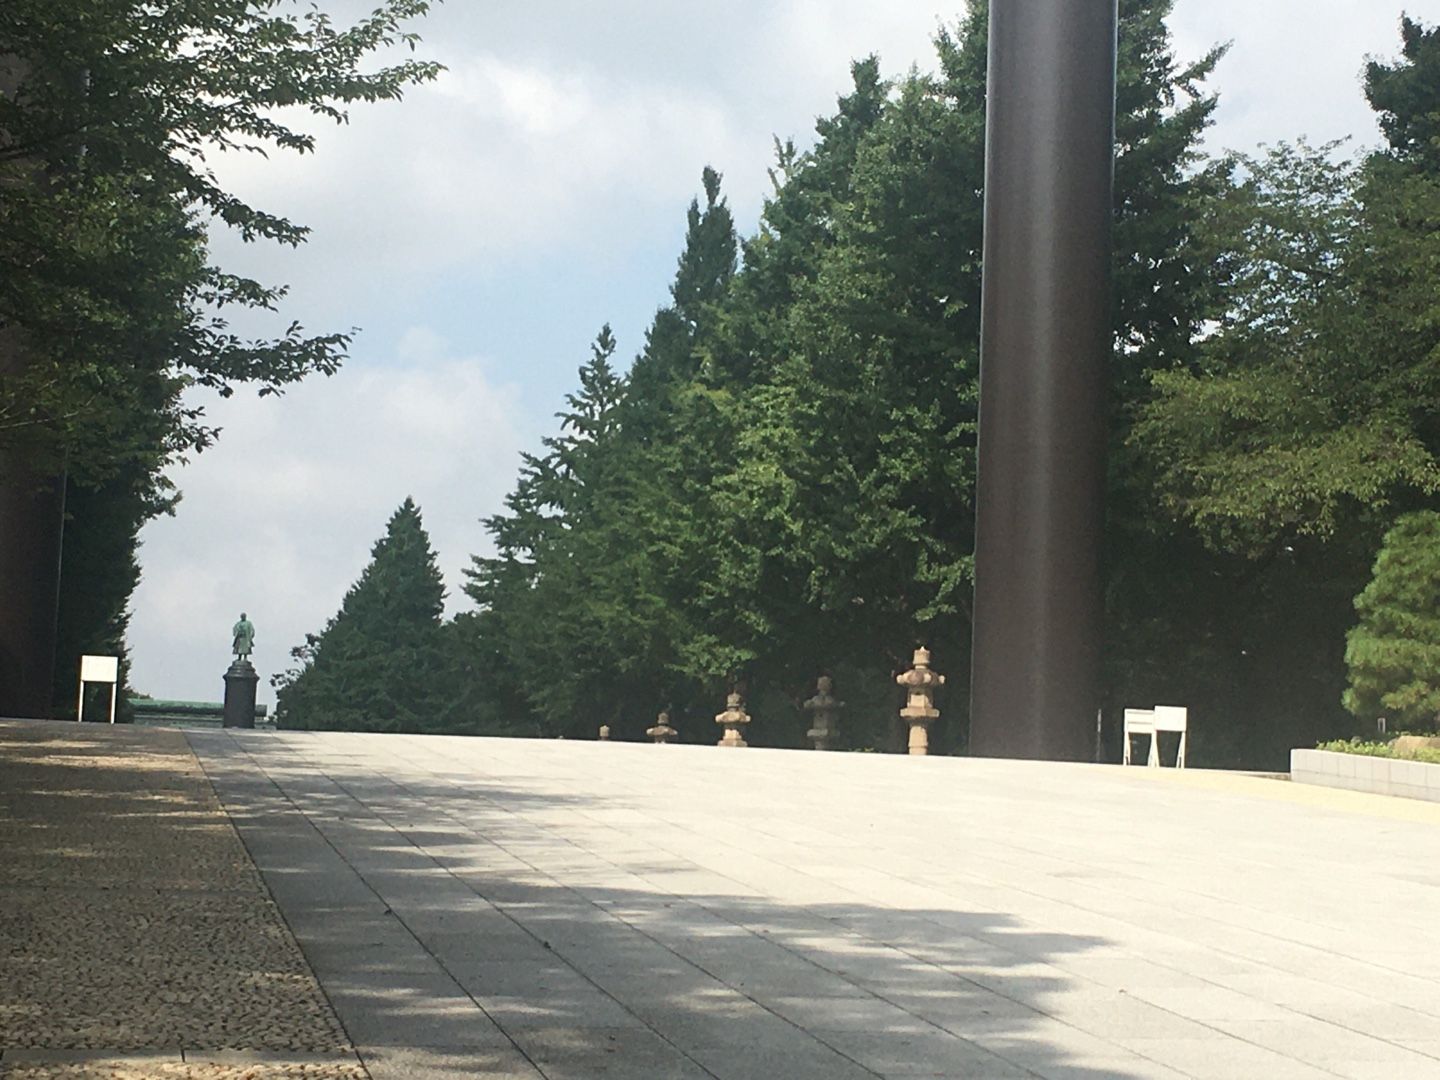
<point x="104" y="140"/>
<point x="1309" y="422"/>
<point x="110" y="307"/>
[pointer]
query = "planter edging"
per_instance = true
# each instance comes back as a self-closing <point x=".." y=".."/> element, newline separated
<point x="1362" y="772"/>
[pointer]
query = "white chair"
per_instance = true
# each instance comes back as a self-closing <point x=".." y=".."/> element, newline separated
<point x="1171" y="718"/>
<point x="1141" y="722"/>
<point x="1151" y="722"/>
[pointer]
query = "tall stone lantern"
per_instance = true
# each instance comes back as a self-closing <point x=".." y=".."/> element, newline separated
<point x="662" y="732"/>
<point x="824" y="709"/>
<point x="919" y="712"/>
<point x="734" y="718"/>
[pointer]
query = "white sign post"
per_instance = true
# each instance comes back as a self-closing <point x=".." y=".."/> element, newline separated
<point x="101" y="669"/>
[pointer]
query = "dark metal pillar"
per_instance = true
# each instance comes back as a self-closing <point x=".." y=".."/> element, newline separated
<point x="1045" y="346"/>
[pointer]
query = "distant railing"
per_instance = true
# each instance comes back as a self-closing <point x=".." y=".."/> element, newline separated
<point x="151" y="712"/>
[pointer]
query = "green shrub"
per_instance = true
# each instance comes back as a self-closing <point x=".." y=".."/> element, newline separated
<point x="1393" y="653"/>
<point x="1379" y="749"/>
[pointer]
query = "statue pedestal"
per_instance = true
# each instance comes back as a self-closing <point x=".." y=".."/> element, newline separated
<point x="240" y="682"/>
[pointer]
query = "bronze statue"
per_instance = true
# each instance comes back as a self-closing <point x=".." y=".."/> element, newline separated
<point x="244" y="633"/>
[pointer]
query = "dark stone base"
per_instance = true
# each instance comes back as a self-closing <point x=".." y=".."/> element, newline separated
<point x="240" y="683"/>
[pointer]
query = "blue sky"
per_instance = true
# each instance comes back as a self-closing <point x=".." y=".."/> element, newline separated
<point x="481" y="231"/>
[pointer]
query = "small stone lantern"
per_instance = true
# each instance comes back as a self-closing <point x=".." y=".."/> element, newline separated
<point x="604" y="732"/>
<point x="919" y="712"/>
<point x="824" y="708"/>
<point x="734" y="718"/>
<point x="662" y="732"/>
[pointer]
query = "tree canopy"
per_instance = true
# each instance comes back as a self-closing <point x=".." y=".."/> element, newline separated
<point x="1307" y="423"/>
<point x="784" y="482"/>
<point x="782" y="485"/>
<point x="110" y="115"/>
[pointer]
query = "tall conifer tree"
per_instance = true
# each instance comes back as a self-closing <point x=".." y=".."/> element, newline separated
<point x="375" y="665"/>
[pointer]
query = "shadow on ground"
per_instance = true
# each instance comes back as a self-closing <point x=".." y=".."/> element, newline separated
<point x="459" y="931"/>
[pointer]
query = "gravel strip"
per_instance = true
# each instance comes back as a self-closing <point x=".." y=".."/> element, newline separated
<point x="132" y="919"/>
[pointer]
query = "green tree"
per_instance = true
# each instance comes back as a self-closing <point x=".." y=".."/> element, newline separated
<point x="1393" y="653"/>
<point x="851" y="498"/>
<point x="378" y="664"/>
<point x="586" y="607"/>
<point x="110" y="110"/>
<point x="110" y="307"/>
<point x="102" y="570"/>
<point x="1315" y="404"/>
<point x="1274" y="459"/>
<point x="792" y="472"/>
<point x="1406" y="95"/>
<point x="1311" y="417"/>
<point x="671" y="356"/>
<point x="561" y="607"/>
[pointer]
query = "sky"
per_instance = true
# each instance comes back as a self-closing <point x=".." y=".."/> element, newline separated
<point x="480" y="232"/>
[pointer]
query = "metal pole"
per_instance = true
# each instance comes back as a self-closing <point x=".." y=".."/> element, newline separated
<point x="1045" y="345"/>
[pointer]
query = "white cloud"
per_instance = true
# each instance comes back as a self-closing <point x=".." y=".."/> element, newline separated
<point x="1294" y="66"/>
<point x="497" y="162"/>
<point x="279" y="517"/>
<point x="576" y="143"/>
<point x="566" y="133"/>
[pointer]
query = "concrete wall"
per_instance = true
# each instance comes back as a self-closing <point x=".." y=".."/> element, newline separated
<point x="1357" y="772"/>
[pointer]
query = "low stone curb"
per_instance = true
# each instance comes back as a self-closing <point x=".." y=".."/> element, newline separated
<point x="1361" y="772"/>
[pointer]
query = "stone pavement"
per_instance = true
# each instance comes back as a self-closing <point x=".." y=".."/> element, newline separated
<point x="503" y="908"/>
<point x="136" y="937"/>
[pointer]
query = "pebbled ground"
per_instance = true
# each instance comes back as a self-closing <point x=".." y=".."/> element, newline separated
<point x="133" y="922"/>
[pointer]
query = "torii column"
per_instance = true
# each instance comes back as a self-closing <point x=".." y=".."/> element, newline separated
<point x="1045" y="345"/>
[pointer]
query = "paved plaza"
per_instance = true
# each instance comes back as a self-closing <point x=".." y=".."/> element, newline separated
<point x="524" y="909"/>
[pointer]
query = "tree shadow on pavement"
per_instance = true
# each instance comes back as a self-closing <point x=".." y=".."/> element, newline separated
<point x="459" y="931"/>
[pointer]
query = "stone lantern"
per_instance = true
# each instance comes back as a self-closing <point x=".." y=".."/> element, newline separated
<point x="824" y="708"/>
<point x="734" y="718"/>
<point x="919" y="712"/>
<point x="662" y="732"/>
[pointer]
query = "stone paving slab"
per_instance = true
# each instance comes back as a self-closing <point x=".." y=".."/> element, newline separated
<point x="137" y="938"/>
<point x="508" y="908"/>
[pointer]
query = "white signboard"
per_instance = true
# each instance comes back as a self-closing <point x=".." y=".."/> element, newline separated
<point x="101" y="669"/>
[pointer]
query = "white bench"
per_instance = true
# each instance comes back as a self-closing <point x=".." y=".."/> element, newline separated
<point x="1151" y="722"/>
